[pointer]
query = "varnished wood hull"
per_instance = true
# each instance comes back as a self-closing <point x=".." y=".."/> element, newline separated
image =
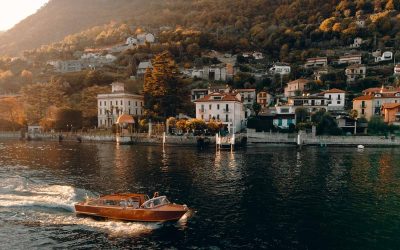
<point x="169" y="212"/>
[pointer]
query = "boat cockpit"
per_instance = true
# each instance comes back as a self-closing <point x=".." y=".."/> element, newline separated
<point x="155" y="202"/>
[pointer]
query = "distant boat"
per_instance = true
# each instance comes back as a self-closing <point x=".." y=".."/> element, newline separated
<point x="132" y="207"/>
<point x="360" y="147"/>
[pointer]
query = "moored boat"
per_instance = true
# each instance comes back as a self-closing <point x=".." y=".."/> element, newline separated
<point x="132" y="207"/>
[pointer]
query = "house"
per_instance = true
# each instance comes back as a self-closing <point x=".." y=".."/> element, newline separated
<point x="357" y="42"/>
<point x="336" y="99"/>
<point x="391" y="113"/>
<point x="258" y="55"/>
<point x="198" y="93"/>
<point x="119" y="102"/>
<point x="296" y="87"/>
<point x="216" y="72"/>
<point x="142" y="67"/>
<point x="264" y="99"/>
<point x="397" y="69"/>
<point x="355" y="72"/>
<point x="350" y="59"/>
<point x="319" y="73"/>
<point x="284" y="116"/>
<point x="360" y="23"/>
<point x="280" y="68"/>
<point x="386" y="56"/>
<point x="312" y="103"/>
<point x="92" y="60"/>
<point x="131" y="41"/>
<point x="248" y="96"/>
<point x="66" y="66"/>
<point x="224" y="107"/>
<point x="371" y="102"/>
<point x="316" y="62"/>
<point x="145" y="38"/>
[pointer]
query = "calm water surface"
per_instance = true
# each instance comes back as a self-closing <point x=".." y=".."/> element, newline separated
<point x="264" y="197"/>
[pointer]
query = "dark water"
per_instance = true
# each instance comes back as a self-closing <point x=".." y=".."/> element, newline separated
<point x="265" y="197"/>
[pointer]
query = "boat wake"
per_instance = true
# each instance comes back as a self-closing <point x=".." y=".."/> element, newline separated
<point x="25" y="202"/>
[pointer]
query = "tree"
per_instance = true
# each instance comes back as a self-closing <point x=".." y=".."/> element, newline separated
<point x="326" y="124"/>
<point x="12" y="111"/>
<point x="256" y="108"/>
<point x="88" y="104"/>
<point x="376" y="125"/>
<point x="165" y="92"/>
<point x="301" y="115"/>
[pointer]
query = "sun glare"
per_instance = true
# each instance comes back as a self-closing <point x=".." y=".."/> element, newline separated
<point x="13" y="11"/>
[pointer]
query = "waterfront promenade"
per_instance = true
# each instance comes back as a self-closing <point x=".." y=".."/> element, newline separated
<point x="253" y="139"/>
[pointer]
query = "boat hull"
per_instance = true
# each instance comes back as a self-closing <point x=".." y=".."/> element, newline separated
<point x="161" y="214"/>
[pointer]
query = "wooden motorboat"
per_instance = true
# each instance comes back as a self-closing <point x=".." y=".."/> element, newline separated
<point x="132" y="207"/>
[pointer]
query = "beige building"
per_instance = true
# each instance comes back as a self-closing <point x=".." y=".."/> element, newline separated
<point x="295" y="87"/>
<point x="355" y="71"/>
<point x="264" y="98"/>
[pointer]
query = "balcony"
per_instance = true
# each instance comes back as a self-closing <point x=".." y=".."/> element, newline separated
<point x="363" y="106"/>
<point x="201" y="111"/>
<point x="226" y="110"/>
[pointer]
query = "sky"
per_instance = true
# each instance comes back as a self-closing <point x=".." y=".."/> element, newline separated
<point x="13" y="11"/>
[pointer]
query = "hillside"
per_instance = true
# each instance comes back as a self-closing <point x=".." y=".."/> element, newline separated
<point x="60" y="18"/>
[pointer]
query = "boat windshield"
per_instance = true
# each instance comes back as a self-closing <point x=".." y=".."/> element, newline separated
<point x="156" y="202"/>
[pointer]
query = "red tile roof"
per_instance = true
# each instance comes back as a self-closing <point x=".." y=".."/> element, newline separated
<point x="334" y="91"/>
<point x="390" y="105"/>
<point x="224" y="98"/>
<point x="363" y="98"/>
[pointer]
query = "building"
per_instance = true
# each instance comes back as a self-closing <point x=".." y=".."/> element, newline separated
<point x="225" y="107"/>
<point x="355" y="72"/>
<point x="350" y="59"/>
<point x="391" y="113"/>
<point x="336" y="99"/>
<point x="197" y="94"/>
<point x="248" y="96"/>
<point x="296" y="87"/>
<point x="264" y="99"/>
<point x="93" y="60"/>
<point x="119" y="102"/>
<point x="284" y="116"/>
<point x="386" y="56"/>
<point x="397" y="69"/>
<point x="312" y="103"/>
<point x="319" y="73"/>
<point x="357" y="42"/>
<point x="145" y="38"/>
<point x="371" y="102"/>
<point x="280" y="68"/>
<point x="316" y="62"/>
<point x="66" y="66"/>
<point x="131" y="41"/>
<point x="142" y="67"/>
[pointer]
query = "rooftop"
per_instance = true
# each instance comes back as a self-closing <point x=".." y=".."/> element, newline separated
<point x="219" y="97"/>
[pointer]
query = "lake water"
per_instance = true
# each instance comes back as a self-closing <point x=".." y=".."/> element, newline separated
<point x="262" y="197"/>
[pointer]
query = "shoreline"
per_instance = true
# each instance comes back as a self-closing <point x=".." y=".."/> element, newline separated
<point x="253" y="140"/>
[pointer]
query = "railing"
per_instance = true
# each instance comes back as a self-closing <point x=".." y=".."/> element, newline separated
<point x="226" y="111"/>
<point x="201" y="111"/>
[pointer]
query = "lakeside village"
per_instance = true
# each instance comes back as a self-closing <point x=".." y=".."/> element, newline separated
<point x="257" y="114"/>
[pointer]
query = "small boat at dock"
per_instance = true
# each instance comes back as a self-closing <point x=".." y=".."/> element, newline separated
<point x="132" y="207"/>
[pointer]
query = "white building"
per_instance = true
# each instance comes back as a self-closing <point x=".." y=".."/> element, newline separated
<point x="142" y="67"/>
<point x="279" y="68"/>
<point x="284" y="115"/>
<point x="145" y="38"/>
<point x="336" y="99"/>
<point x="66" y="66"/>
<point x="350" y="59"/>
<point x="355" y="71"/>
<point x="316" y="62"/>
<point x="248" y="96"/>
<point x="131" y="41"/>
<point x="111" y="106"/>
<point x="357" y="42"/>
<point x="397" y="69"/>
<point x="386" y="56"/>
<point x="225" y="107"/>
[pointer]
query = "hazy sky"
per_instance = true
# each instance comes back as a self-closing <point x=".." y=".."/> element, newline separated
<point x="13" y="11"/>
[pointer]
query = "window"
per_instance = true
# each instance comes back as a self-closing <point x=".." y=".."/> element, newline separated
<point x="202" y="117"/>
<point x="129" y="103"/>
<point x="129" y="111"/>
<point x="135" y="103"/>
<point x="338" y="97"/>
<point x="120" y="102"/>
<point x="209" y="117"/>
<point x="227" y="107"/>
<point x="100" y="103"/>
<point x="218" y="106"/>
<point x="100" y="111"/>
<point x="338" y="102"/>
<point x="209" y="106"/>
<point x="202" y="108"/>
<point x="136" y="111"/>
<point x="226" y="118"/>
<point x="217" y="117"/>
<point x="330" y="97"/>
<point x="362" y="111"/>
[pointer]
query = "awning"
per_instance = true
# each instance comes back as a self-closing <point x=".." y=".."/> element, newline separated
<point x="125" y="119"/>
